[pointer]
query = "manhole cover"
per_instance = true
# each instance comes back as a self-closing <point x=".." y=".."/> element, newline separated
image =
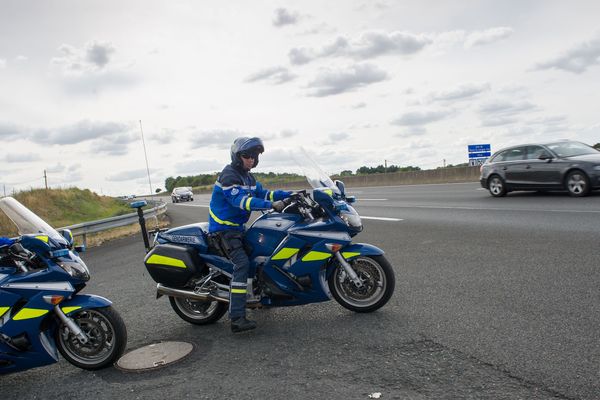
<point x="154" y="356"/>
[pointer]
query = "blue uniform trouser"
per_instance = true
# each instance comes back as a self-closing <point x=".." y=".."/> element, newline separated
<point x="233" y="242"/>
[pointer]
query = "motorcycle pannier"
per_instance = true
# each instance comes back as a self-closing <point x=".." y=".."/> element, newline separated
<point x="173" y="266"/>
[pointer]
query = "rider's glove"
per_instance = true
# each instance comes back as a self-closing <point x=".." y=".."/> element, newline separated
<point x="278" y="205"/>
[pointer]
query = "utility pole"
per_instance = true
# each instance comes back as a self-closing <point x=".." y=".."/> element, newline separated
<point x="385" y="166"/>
<point x="46" y="179"/>
<point x="4" y="190"/>
<point x="444" y="163"/>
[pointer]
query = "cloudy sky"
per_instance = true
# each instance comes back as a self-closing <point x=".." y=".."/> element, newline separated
<point x="354" y="82"/>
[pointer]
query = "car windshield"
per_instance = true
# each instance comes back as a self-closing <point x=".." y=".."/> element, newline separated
<point x="26" y="221"/>
<point x="315" y="176"/>
<point x="182" y="190"/>
<point x="571" y="149"/>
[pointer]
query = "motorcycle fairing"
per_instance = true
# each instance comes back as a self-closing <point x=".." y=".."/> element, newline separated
<point x="362" y="249"/>
<point x="84" y="302"/>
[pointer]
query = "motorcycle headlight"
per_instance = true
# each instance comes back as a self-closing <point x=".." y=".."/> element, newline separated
<point x="351" y="217"/>
<point x="76" y="268"/>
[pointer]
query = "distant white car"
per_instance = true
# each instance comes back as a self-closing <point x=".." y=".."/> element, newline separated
<point x="182" y="194"/>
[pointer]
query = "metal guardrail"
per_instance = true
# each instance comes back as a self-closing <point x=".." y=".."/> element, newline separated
<point x="114" y="222"/>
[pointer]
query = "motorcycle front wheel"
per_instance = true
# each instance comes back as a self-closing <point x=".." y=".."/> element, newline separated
<point x="107" y="337"/>
<point x="198" y="312"/>
<point x="378" y="282"/>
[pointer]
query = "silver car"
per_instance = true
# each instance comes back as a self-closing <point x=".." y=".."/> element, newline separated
<point x="182" y="194"/>
<point x="564" y="165"/>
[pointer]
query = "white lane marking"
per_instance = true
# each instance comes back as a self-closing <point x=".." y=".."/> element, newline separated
<point x="504" y="209"/>
<point x="382" y="218"/>
<point x="361" y="199"/>
<point x="194" y="205"/>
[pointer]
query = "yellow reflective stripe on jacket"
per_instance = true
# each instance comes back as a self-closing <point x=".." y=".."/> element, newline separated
<point x="28" y="313"/>
<point x="329" y="192"/>
<point x="271" y="196"/>
<point x="220" y="221"/>
<point x="349" y="254"/>
<point x="285" y="253"/>
<point x="3" y="310"/>
<point x="42" y="238"/>
<point x="248" y="203"/>
<point x="170" y="261"/>
<point x="67" y="310"/>
<point x="238" y="291"/>
<point x="316" y="256"/>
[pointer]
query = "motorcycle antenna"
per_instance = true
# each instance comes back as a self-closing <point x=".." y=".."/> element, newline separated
<point x="146" y="156"/>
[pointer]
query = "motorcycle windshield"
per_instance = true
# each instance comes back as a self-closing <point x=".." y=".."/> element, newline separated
<point x="26" y="221"/>
<point x="315" y="176"/>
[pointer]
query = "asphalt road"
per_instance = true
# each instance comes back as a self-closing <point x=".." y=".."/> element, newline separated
<point x="495" y="299"/>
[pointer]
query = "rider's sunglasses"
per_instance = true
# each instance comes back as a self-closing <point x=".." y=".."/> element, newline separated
<point x="248" y="155"/>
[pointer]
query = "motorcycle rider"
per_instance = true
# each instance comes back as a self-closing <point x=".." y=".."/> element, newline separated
<point x="235" y="195"/>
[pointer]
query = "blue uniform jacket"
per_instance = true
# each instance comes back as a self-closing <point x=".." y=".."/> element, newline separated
<point x="235" y="195"/>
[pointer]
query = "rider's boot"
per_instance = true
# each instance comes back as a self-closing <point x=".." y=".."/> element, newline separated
<point x="242" y="324"/>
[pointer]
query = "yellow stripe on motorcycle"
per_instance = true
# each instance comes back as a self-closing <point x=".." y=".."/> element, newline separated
<point x="3" y="310"/>
<point x="164" y="260"/>
<point x="67" y="310"/>
<point x="42" y="238"/>
<point x="316" y="256"/>
<point x="220" y="221"/>
<point x="329" y="192"/>
<point x="238" y="291"/>
<point x="285" y="253"/>
<point x="349" y="254"/>
<point x="29" y="313"/>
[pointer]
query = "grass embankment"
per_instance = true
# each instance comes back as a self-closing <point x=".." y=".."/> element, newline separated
<point x="64" y="207"/>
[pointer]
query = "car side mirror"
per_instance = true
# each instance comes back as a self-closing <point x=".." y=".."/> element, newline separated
<point x="545" y="156"/>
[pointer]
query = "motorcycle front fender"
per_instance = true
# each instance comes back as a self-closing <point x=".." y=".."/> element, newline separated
<point x="360" y="249"/>
<point x="85" y="302"/>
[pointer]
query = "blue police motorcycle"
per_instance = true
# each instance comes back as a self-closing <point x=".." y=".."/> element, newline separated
<point x="302" y="255"/>
<point x="41" y="309"/>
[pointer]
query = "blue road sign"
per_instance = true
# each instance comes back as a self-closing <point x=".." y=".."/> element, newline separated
<point x="482" y="154"/>
<point x="479" y="147"/>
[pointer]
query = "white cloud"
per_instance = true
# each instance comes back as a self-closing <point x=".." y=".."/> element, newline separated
<point x="9" y="130"/>
<point x="330" y="82"/>
<point x="577" y="60"/>
<point x="128" y="175"/>
<point x="93" y="57"/>
<point x="461" y="92"/>
<point x="222" y="139"/>
<point x="2" y="63"/>
<point x="421" y="117"/>
<point x="195" y="167"/>
<point x="488" y="36"/>
<point x="367" y="45"/>
<point x="285" y="17"/>
<point x="274" y="75"/>
<point x="79" y="132"/>
<point x="21" y="157"/>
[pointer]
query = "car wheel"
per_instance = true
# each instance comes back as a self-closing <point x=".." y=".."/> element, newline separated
<point x="496" y="186"/>
<point x="577" y="183"/>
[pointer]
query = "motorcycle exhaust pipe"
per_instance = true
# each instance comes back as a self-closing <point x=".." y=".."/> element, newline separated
<point x="189" y="294"/>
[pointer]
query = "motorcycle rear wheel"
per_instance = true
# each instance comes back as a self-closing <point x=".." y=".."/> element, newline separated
<point x="378" y="280"/>
<point x="107" y="338"/>
<point x="198" y="312"/>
